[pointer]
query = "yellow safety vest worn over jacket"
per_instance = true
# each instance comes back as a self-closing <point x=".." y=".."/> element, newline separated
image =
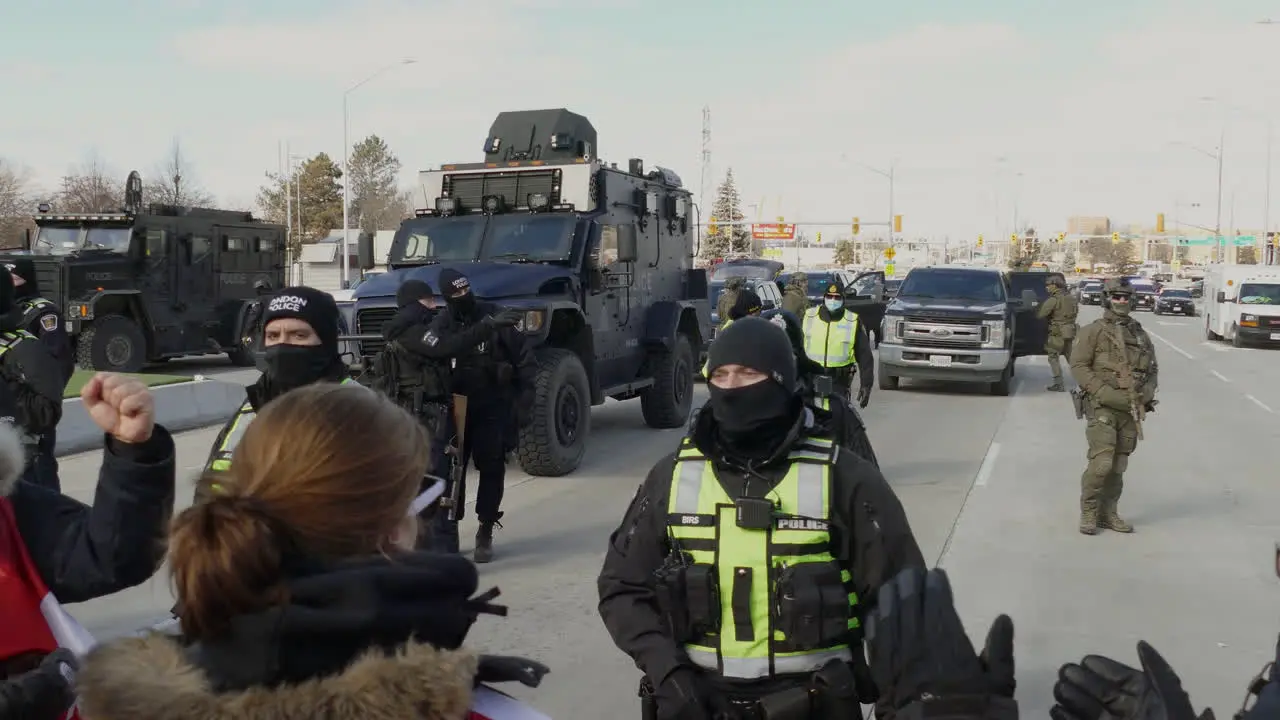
<point x="234" y="432"/>
<point x="772" y="601"/>
<point x="830" y="344"/>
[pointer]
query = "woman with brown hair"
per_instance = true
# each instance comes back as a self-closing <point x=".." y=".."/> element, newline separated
<point x="300" y="595"/>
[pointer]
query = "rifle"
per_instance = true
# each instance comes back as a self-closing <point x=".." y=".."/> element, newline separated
<point x="457" y="469"/>
<point x="1125" y="382"/>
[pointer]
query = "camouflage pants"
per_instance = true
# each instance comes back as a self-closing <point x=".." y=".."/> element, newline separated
<point x="1112" y="437"/>
<point x="1055" y="349"/>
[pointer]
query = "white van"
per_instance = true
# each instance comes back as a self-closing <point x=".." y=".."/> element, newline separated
<point x="1242" y="304"/>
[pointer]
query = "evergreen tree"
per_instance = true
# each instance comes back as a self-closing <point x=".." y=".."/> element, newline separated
<point x="728" y="208"/>
<point x="845" y="253"/>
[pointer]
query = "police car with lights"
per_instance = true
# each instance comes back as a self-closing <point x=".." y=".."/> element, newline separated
<point x="599" y="257"/>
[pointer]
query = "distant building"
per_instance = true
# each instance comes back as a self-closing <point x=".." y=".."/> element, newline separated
<point x="319" y="265"/>
<point x="1087" y="225"/>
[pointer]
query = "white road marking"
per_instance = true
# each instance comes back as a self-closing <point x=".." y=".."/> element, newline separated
<point x="1166" y="323"/>
<point x="1173" y="347"/>
<point x="1220" y="376"/>
<point x="988" y="465"/>
<point x="1259" y="403"/>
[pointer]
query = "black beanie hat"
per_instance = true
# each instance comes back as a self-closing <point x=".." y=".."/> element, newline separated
<point x="758" y="344"/>
<point x="316" y="307"/>
<point x="748" y="302"/>
<point x="411" y="291"/>
<point x="453" y="282"/>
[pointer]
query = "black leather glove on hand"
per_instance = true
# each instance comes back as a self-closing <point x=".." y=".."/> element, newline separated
<point x="505" y="318"/>
<point x="1099" y="688"/>
<point x="864" y="396"/>
<point x="923" y="662"/>
<point x="684" y="696"/>
<point x="46" y="692"/>
<point x="509" y="668"/>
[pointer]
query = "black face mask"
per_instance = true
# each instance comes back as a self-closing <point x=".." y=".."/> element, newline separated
<point x="462" y="305"/>
<point x="752" y="416"/>
<point x="292" y="366"/>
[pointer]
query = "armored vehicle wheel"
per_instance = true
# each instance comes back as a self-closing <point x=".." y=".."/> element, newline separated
<point x="666" y="403"/>
<point x="556" y="438"/>
<point x="113" y="343"/>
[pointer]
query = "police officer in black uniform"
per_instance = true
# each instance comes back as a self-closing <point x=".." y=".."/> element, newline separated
<point x="43" y="318"/>
<point x="420" y="384"/>
<point x="31" y="386"/>
<point x="494" y="369"/>
<point x="754" y="500"/>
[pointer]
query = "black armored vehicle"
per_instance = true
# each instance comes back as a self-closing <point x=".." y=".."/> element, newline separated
<point x="599" y="257"/>
<point x="143" y="285"/>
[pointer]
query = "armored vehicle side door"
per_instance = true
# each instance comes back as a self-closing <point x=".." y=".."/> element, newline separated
<point x="608" y="302"/>
<point x="161" y="283"/>
<point x="1029" y="332"/>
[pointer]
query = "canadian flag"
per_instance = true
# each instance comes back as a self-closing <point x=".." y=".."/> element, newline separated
<point x="35" y="622"/>
<point x="489" y="704"/>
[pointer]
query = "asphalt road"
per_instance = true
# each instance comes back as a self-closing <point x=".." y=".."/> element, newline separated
<point x="990" y="485"/>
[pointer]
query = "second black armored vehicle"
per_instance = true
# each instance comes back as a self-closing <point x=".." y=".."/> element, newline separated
<point x="142" y="285"/>
<point x="599" y="257"/>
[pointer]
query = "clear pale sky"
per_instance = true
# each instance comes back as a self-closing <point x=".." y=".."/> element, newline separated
<point x="1085" y="99"/>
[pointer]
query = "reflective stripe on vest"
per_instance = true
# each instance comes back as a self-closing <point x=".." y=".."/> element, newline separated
<point x="235" y="433"/>
<point x="830" y="343"/>
<point x="702" y="523"/>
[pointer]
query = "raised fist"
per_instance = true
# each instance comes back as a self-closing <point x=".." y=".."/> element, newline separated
<point x="123" y="407"/>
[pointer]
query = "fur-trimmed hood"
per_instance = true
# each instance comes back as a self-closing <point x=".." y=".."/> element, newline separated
<point x="13" y="459"/>
<point x="152" y="678"/>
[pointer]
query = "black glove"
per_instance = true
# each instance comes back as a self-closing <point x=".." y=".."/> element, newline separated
<point x="864" y="396"/>
<point x="917" y="648"/>
<point x="1099" y="687"/>
<point x="1150" y="405"/>
<point x="684" y="696"/>
<point x="504" y="319"/>
<point x="509" y="668"/>
<point x="45" y="692"/>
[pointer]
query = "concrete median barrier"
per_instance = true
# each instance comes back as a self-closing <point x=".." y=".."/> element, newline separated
<point x="179" y="406"/>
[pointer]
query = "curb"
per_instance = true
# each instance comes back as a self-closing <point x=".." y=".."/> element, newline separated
<point x="181" y="406"/>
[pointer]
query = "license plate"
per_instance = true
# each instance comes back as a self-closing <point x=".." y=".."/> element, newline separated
<point x="945" y="360"/>
<point x="1275" y="336"/>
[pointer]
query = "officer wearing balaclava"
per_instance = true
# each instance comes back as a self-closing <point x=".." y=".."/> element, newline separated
<point x="300" y="341"/>
<point x="31" y="386"/>
<point x="40" y="316"/>
<point x="493" y="368"/>
<point x="755" y="517"/>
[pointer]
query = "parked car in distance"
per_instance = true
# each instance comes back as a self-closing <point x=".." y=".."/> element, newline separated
<point x="1175" y="300"/>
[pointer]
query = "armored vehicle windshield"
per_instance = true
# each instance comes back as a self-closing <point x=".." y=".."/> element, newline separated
<point x="65" y="240"/>
<point x="517" y="237"/>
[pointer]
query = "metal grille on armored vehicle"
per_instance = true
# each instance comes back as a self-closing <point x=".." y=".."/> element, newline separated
<point x="599" y="257"/>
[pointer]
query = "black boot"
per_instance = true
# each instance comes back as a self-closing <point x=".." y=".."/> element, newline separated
<point x="484" y="540"/>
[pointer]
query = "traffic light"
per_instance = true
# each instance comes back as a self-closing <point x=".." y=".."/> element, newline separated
<point x="1062" y="237"/>
<point x="1115" y="237"/>
<point x="1013" y="237"/>
<point x="979" y="241"/>
<point x="897" y="223"/>
<point x="1160" y="223"/>
<point x="819" y="238"/>
<point x="856" y="226"/>
<point x="712" y="228"/>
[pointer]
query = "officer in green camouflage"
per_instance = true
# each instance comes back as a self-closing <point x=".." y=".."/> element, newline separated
<point x="729" y="298"/>
<point x="1114" y="362"/>
<point x="1060" y="312"/>
<point x="795" y="299"/>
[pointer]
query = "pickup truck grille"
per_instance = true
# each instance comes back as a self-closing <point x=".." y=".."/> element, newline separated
<point x="923" y="330"/>
<point x="370" y="321"/>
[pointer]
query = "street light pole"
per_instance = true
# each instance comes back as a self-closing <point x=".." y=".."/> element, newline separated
<point x="1217" y="224"/>
<point x="346" y="180"/>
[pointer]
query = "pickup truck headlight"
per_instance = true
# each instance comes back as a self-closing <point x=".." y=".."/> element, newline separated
<point x="1249" y="320"/>
<point x="893" y="328"/>
<point x="532" y="321"/>
<point x="994" y="331"/>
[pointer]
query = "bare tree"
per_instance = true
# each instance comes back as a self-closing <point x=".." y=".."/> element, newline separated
<point x="174" y="183"/>
<point x="15" y="204"/>
<point x="89" y="189"/>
